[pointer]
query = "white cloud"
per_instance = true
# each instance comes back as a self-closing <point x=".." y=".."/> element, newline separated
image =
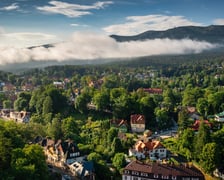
<point x="79" y="25"/>
<point x="218" y="21"/>
<point x="138" y="24"/>
<point x="89" y="46"/>
<point x="11" y="7"/>
<point x="72" y="10"/>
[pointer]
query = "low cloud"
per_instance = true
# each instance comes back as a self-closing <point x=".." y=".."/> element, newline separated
<point x="89" y="46"/>
<point x="138" y="24"/>
<point x="72" y="10"/>
<point x="218" y="21"/>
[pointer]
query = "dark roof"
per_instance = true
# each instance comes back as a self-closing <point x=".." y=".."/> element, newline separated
<point x="69" y="147"/>
<point x="139" y="166"/>
<point x="164" y="169"/>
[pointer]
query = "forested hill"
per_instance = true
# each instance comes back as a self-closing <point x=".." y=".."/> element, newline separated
<point x="213" y="34"/>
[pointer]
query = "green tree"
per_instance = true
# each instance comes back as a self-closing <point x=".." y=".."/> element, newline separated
<point x="111" y="81"/>
<point x="29" y="163"/>
<point x="100" y="166"/>
<point x="169" y="99"/>
<point x="186" y="139"/>
<point x="59" y="100"/>
<point x="7" y="104"/>
<point x="209" y="157"/>
<point x="183" y="119"/>
<point x="37" y="100"/>
<point x="82" y="100"/>
<point x="102" y="99"/>
<point x="202" y="138"/>
<point x="119" y="161"/>
<point x="185" y="143"/>
<point x="47" y="105"/>
<point x="95" y="157"/>
<point x="54" y="128"/>
<point x="162" y="118"/>
<point x="70" y="129"/>
<point x="112" y="133"/>
<point x="122" y="107"/>
<point x="191" y="96"/>
<point x="218" y="138"/>
<point x="216" y="101"/>
<point x="116" y="145"/>
<point x="202" y="106"/>
<point x="22" y="102"/>
<point x="147" y="107"/>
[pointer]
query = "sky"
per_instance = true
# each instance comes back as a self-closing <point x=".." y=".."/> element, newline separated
<point x="80" y="28"/>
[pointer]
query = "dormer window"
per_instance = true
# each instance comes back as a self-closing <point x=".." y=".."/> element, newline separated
<point x="126" y="171"/>
<point x="156" y="176"/>
<point x="144" y="174"/>
<point x="135" y="173"/>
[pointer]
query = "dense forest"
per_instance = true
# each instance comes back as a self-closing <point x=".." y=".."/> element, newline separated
<point x="89" y="96"/>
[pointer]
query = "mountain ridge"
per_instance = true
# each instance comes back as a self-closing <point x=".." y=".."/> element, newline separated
<point x="212" y="34"/>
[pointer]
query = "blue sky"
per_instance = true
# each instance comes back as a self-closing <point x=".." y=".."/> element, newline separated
<point x="25" y="23"/>
<point x="55" y="20"/>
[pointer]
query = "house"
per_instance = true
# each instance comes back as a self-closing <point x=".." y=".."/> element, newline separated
<point x="59" y="84"/>
<point x="22" y="116"/>
<point x="65" y="152"/>
<point x="146" y="147"/>
<point x="219" y="117"/>
<point x="192" y="112"/>
<point x="137" y="123"/>
<point x="121" y="124"/>
<point x="83" y="170"/>
<point x="70" y="151"/>
<point x="5" y="113"/>
<point x="27" y="87"/>
<point x="96" y="84"/>
<point x="197" y="123"/>
<point x="137" y="170"/>
<point x="8" y="87"/>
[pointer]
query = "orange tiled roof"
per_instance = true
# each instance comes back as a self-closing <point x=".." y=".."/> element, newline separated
<point x="150" y="145"/>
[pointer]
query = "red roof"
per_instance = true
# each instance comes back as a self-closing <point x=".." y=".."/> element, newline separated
<point x="150" y="145"/>
<point x="137" y="119"/>
<point x="153" y="90"/>
<point x="118" y="122"/>
<point x="197" y="123"/>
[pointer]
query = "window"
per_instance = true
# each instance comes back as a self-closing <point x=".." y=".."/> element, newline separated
<point x="126" y="171"/>
<point x="174" y="177"/>
<point x="165" y="177"/>
<point x="186" y="178"/>
<point x="194" y="178"/>
<point x="155" y="176"/>
<point x="135" y="178"/>
<point x="135" y="173"/>
<point x="144" y="174"/>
